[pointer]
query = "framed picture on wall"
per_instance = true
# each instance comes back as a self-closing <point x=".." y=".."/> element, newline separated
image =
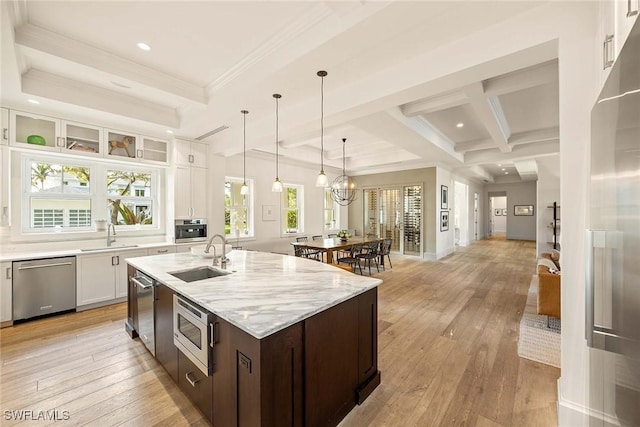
<point x="523" y="210"/>
<point x="444" y="220"/>
<point x="504" y="212"/>
<point x="497" y="212"/>
<point x="444" y="197"/>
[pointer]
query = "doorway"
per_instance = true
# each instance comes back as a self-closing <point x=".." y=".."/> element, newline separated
<point x="395" y="213"/>
<point x="461" y="214"/>
<point x="498" y="216"/>
<point x="475" y="216"/>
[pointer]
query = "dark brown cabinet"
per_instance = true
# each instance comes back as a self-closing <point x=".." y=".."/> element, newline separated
<point x="196" y="385"/>
<point x="166" y="351"/>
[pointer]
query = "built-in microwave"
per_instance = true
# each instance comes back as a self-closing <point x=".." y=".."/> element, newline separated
<point x="190" y="230"/>
<point x="192" y="333"/>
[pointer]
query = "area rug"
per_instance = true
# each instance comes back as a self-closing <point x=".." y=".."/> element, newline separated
<point x="539" y="335"/>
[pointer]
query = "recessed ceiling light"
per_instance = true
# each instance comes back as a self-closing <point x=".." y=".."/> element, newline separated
<point x="503" y="168"/>
<point x="169" y="131"/>
<point x="33" y="101"/>
<point x="499" y="164"/>
<point x="506" y="173"/>
<point x="144" y="46"/>
<point x="459" y="125"/>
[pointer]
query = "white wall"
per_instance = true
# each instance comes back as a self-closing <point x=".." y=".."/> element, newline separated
<point x="499" y="221"/>
<point x="548" y="192"/>
<point x="520" y="193"/>
<point x="261" y="168"/>
<point x="444" y="239"/>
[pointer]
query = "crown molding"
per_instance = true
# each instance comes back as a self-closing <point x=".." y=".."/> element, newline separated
<point x="70" y="91"/>
<point x="49" y="42"/>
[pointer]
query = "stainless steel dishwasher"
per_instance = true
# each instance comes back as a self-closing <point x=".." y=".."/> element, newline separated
<point x="43" y="286"/>
<point x="145" y="298"/>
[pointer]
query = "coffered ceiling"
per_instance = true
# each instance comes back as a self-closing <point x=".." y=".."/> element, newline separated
<point x="395" y="88"/>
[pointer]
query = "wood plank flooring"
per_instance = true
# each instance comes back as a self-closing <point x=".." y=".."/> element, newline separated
<point x="447" y="351"/>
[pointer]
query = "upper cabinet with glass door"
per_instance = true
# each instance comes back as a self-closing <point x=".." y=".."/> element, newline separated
<point x="4" y="126"/>
<point x="82" y="139"/>
<point x="126" y="145"/>
<point x="35" y="131"/>
<point x="154" y="150"/>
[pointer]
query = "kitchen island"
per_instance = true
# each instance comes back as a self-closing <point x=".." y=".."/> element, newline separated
<point x="293" y="341"/>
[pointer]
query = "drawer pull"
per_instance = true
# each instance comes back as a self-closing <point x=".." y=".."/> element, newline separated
<point x="164" y="251"/>
<point x="192" y="382"/>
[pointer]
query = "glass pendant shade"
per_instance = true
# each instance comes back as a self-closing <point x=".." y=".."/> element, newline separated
<point x="276" y="187"/>
<point x="244" y="190"/>
<point x="322" y="180"/>
<point x="343" y="189"/>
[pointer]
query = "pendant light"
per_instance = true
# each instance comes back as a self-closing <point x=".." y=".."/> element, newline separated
<point x="322" y="180"/>
<point x="343" y="192"/>
<point x="277" y="185"/>
<point x="245" y="189"/>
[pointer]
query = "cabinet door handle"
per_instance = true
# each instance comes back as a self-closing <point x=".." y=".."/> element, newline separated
<point x="60" y="141"/>
<point x="192" y="382"/>
<point x="213" y="334"/>
<point x="5" y="133"/>
<point x="607" y="51"/>
<point x="140" y="153"/>
<point x="115" y="260"/>
<point x="191" y="160"/>
<point x="8" y="273"/>
<point x="631" y="12"/>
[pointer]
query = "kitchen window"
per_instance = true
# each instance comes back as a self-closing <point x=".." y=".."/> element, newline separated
<point x="292" y="208"/>
<point x="331" y="211"/>
<point x="62" y="195"/>
<point x="238" y="209"/>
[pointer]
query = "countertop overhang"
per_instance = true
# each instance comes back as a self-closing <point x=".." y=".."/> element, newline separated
<point x="265" y="292"/>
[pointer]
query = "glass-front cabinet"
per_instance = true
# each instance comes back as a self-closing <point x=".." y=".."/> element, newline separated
<point x="122" y="144"/>
<point x="35" y="131"/>
<point x="82" y="139"/>
<point x="154" y="150"/>
<point x="4" y="126"/>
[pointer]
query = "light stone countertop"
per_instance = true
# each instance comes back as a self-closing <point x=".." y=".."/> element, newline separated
<point x="265" y="292"/>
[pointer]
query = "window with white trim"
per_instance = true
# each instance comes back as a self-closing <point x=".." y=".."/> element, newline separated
<point x="292" y="208"/>
<point x="331" y="211"/>
<point x="238" y="209"/>
<point x="63" y="194"/>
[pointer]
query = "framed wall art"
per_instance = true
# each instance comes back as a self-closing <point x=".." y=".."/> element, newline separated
<point x="523" y="210"/>
<point x="444" y="197"/>
<point x="497" y="212"/>
<point x="504" y="212"/>
<point x="444" y="220"/>
<point x="268" y="213"/>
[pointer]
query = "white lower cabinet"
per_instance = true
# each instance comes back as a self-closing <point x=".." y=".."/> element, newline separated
<point x="6" y="313"/>
<point x="103" y="277"/>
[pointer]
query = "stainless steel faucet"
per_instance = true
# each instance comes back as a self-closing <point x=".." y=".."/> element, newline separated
<point x="110" y="239"/>
<point x="223" y="258"/>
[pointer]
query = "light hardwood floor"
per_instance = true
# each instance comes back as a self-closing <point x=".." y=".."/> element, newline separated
<point x="447" y="351"/>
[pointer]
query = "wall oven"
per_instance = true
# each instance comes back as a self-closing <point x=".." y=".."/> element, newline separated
<point x="190" y="230"/>
<point x="192" y="333"/>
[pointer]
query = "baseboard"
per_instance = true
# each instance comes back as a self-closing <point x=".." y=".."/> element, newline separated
<point x="429" y="256"/>
<point x="574" y="414"/>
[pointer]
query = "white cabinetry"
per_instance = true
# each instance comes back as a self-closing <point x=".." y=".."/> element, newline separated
<point x="35" y="131"/>
<point x="4" y="126"/>
<point x="6" y="313"/>
<point x="127" y="145"/>
<point x="5" y="187"/>
<point x="103" y="277"/>
<point x="82" y="139"/>
<point x="615" y="21"/>
<point x="190" y="179"/>
<point x="190" y="153"/>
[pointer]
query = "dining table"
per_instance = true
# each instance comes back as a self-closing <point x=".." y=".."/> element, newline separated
<point x="329" y="246"/>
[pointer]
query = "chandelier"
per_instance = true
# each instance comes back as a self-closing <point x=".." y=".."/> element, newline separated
<point x="343" y="190"/>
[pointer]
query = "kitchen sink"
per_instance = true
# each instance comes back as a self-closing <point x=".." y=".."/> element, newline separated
<point x="198" y="273"/>
<point x="108" y="248"/>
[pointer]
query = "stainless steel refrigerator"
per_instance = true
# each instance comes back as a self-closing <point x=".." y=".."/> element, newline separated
<point x="613" y="244"/>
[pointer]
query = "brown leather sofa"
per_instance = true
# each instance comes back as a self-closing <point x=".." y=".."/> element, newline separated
<point x="548" y="290"/>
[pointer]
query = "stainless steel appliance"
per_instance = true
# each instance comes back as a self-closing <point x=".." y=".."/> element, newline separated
<point x="613" y="243"/>
<point x="193" y="333"/>
<point x="190" y="230"/>
<point x="145" y="297"/>
<point x="43" y="286"/>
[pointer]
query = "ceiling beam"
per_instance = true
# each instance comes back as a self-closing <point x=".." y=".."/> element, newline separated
<point x="538" y="135"/>
<point x="49" y="42"/>
<point x="523" y="79"/>
<point x="527" y="169"/>
<point x="475" y="145"/>
<point x="62" y="89"/>
<point x="489" y="111"/>
<point x="435" y="103"/>
<point x="526" y="151"/>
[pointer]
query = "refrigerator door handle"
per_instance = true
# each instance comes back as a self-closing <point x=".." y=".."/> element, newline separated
<point x="589" y="288"/>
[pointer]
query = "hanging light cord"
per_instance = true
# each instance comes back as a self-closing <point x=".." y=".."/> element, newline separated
<point x="322" y="124"/>
<point x="244" y="147"/>
<point x="344" y="140"/>
<point x="276" y="137"/>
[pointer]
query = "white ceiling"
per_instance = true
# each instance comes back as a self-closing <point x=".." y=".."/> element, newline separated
<point x="211" y="59"/>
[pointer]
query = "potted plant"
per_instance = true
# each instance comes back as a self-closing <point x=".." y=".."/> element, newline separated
<point x="343" y="235"/>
